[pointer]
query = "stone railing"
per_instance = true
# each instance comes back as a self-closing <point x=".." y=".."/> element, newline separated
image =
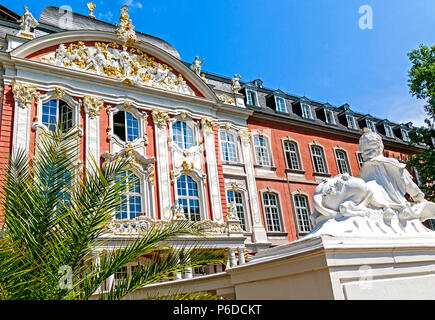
<point x="142" y="224"/>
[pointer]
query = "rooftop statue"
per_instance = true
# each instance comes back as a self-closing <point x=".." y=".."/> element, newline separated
<point x="28" y="22"/>
<point x="374" y="202"/>
<point x="235" y="83"/>
<point x="197" y="66"/>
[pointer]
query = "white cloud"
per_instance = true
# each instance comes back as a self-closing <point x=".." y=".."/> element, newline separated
<point x="133" y="4"/>
<point x="105" y="16"/>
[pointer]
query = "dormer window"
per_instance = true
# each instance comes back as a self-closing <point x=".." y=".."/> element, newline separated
<point x="329" y="115"/>
<point x="306" y="111"/>
<point x="251" y="98"/>
<point x="351" y="123"/>
<point x="280" y="105"/>
<point x="371" y="125"/>
<point x="405" y="135"/>
<point x="388" y="131"/>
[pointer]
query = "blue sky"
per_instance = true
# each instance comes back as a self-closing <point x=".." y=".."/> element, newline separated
<point x="313" y="48"/>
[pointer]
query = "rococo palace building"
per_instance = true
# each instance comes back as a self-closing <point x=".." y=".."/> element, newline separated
<point x="206" y="143"/>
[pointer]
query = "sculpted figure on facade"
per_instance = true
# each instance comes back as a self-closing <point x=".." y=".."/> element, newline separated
<point x="124" y="29"/>
<point x="235" y="83"/>
<point x="28" y="22"/>
<point x="197" y="66"/>
<point x="108" y="60"/>
<point x="378" y="194"/>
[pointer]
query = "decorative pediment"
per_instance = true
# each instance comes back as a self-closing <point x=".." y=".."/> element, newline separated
<point x="130" y="66"/>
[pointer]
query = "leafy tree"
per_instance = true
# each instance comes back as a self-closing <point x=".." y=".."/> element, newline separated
<point x="55" y="212"/>
<point x="422" y="85"/>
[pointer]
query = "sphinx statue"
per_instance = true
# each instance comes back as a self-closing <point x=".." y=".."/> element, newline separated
<point x="374" y="201"/>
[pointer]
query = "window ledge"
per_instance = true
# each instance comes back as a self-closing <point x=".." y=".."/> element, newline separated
<point x="264" y="167"/>
<point x="319" y="174"/>
<point x="294" y="171"/>
<point x="230" y="163"/>
<point x="276" y="234"/>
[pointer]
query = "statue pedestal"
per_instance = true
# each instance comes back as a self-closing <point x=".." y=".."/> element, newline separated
<point x="337" y="267"/>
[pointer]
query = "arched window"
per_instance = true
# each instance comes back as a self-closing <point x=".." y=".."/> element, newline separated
<point x="125" y="126"/>
<point x="228" y="147"/>
<point x="188" y="197"/>
<point x="342" y="163"/>
<point x="292" y="155"/>
<point x="182" y="135"/>
<point x="261" y="150"/>
<point x="132" y="206"/>
<point x="318" y="159"/>
<point x="237" y="198"/>
<point x="302" y="213"/>
<point x="271" y="211"/>
<point x="57" y="112"/>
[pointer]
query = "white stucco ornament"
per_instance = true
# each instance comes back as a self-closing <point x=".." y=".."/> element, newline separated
<point x="374" y="203"/>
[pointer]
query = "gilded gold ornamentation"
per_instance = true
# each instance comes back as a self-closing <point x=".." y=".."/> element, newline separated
<point x="132" y="67"/>
<point x="91" y="6"/>
<point x="187" y="167"/>
<point x="24" y="94"/>
<point x="224" y="98"/>
<point x="93" y="106"/>
<point x="124" y="29"/>
<point x="245" y="135"/>
<point x="160" y="117"/>
<point x="207" y="125"/>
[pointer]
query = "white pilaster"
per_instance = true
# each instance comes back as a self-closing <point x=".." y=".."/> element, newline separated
<point x="213" y="178"/>
<point x="160" y="122"/>
<point x="92" y="107"/>
<point x="259" y="233"/>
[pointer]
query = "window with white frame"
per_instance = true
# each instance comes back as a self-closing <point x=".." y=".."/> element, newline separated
<point x="342" y="163"/>
<point x="351" y="123"/>
<point x="121" y="274"/>
<point x="360" y="159"/>
<point x="388" y="131"/>
<point x="371" y="125"/>
<point x="188" y="197"/>
<point x="237" y="199"/>
<point x="405" y="135"/>
<point x="261" y="150"/>
<point x="251" y="98"/>
<point x="318" y="159"/>
<point x="292" y="155"/>
<point x="182" y="135"/>
<point x="56" y="112"/>
<point x="302" y="213"/>
<point x="228" y="147"/>
<point x="306" y="111"/>
<point x="125" y="126"/>
<point x="280" y="105"/>
<point x="271" y="211"/>
<point x="329" y="115"/>
<point x="132" y="205"/>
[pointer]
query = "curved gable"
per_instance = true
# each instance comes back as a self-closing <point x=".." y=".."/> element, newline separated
<point x="99" y="53"/>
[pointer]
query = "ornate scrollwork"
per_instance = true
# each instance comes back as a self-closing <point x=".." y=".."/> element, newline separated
<point x="245" y="135"/>
<point x="130" y="66"/>
<point x="24" y="94"/>
<point x="160" y="117"/>
<point x="207" y="125"/>
<point x="225" y="99"/>
<point x="93" y="106"/>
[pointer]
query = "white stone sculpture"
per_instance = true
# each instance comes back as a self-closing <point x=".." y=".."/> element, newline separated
<point x="28" y="22"/>
<point x="178" y="211"/>
<point x="235" y="83"/>
<point x="130" y="66"/>
<point x="197" y="66"/>
<point x="374" y="203"/>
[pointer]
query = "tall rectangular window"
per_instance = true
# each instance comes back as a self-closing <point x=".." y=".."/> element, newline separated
<point x="271" y="211"/>
<point x="182" y="135"/>
<point x="132" y="207"/>
<point x="188" y="197"/>
<point x="405" y="135"/>
<point x="306" y="111"/>
<point x="292" y="155"/>
<point x="388" y="131"/>
<point x="237" y="199"/>
<point x="251" y="98"/>
<point x="329" y="114"/>
<point x="318" y="159"/>
<point x="360" y="159"/>
<point x="302" y="213"/>
<point x="371" y="125"/>
<point x="280" y="105"/>
<point x="261" y="149"/>
<point x="228" y="147"/>
<point x="342" y="163"/>
<point x="351" y="123"/>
